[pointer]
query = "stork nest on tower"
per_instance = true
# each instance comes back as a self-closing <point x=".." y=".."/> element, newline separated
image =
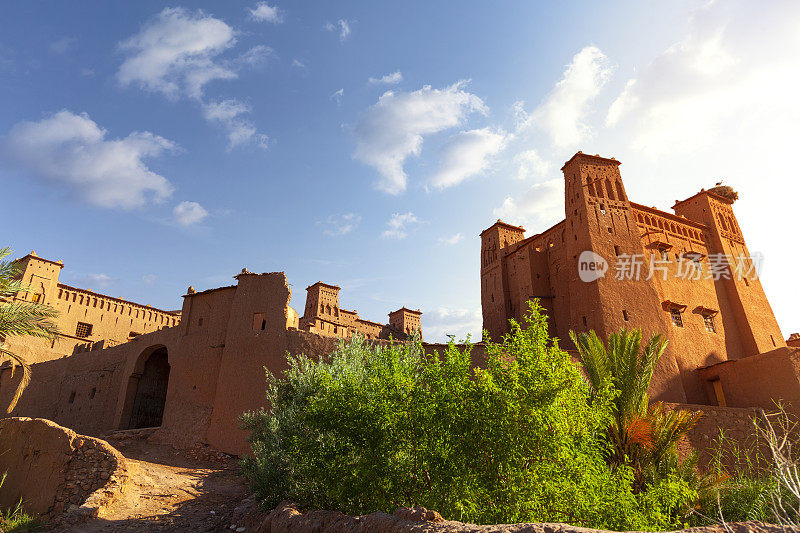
<point x="726" y="191"/>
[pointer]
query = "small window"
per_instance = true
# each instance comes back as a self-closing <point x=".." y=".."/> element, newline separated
<point x="200" y="321"/>
<point x="83" y="330"/>
<point x="708" y="320"/>
<point x="584" y="322"/>
<point x="72" y="397"/>
<point x="746" y="282"/>
<point x="676" y="317"/>
<point x="773" y="340"/>
<point x="36" y="297"/>
<point x="625" y="315"/>
<point x="610" y="230"/>
<point x="259" y="321"/>
<point x="616" y="250"/>
<point x="92" y="393"/>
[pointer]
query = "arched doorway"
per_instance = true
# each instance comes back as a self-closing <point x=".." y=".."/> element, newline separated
<point x="151" y="379"/>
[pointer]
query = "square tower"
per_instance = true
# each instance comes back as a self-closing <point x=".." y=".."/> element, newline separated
<point x="406" y="320"/>
<point x="495" y="243"/>
<point x="41" y="275"/>
<point x="322" y="300"/>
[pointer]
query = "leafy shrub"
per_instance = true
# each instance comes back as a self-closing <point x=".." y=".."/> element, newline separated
<point x="372" y="428"/>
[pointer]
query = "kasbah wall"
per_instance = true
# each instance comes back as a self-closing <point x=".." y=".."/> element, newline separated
<point x="120" y="365"/>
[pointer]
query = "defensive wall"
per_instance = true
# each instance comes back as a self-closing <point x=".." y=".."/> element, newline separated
<point x="193" y="380"/>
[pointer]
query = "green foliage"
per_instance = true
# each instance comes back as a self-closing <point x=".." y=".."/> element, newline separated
<point x="523" y="439"/>
<point x="20" y="318"/>
<point x="642" y="436"/>
<point x="16" y="520"/>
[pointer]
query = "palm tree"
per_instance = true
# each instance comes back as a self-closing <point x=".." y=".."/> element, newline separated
<point x="20" y="318"/>
<point x="643" y="436"/>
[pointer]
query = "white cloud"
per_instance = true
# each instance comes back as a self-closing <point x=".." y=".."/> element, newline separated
<point x="189" y="213"/>
<point x="297" y="63"/>
<point x="228" y="114"/>
<point x="393" y="128"/>
<point x="466" y="154"/>
<point x="342" y="26"/>
<point x="439" y="323"/>
<point x="94" y="281"/>
<point x="62" y="46"/>
<point x="531" y="166"/>
<point x="149" y="279"/>
<point x="563" y="113"/>
<point x="337" y="225"/>
<point x="713" y="81"/>
<point x="74" y="152"/>
<point x="257" y="55"/>
<point x="176" y="52"/>
<point x="263" y="12"/>
<point x="389" y="79"/>
<point x="337" y="96"/>
<point x="455" y="239"/>
<point x="541" y="205"/>
<point x="398" y="225"/>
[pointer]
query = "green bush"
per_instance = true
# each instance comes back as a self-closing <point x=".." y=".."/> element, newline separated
<point x="372" y="428"/>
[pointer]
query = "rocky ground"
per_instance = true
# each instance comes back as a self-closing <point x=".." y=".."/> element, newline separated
<point x="171" y="491"/>
<point x="201" y="491"/>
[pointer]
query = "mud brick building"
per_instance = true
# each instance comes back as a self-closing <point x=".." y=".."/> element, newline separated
<point x="688" y="275"/>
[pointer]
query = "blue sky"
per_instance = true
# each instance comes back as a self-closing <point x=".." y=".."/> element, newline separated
<point x="155" y="146"/>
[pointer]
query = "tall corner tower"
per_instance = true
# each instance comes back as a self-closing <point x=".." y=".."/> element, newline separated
<point x="758" y="328"/>
<point x="494" y="287"/>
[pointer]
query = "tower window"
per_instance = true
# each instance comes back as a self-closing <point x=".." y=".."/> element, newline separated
<point x="677" y="319"/>
<point x="708" y="320"/>
<point x="83" y="330"/>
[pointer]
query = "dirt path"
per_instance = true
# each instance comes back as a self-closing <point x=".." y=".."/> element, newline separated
<point x="169" y="492"/>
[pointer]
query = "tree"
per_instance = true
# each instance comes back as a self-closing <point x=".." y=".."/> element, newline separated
<point x="643" y="436"/>
<point x="20" y="318"/>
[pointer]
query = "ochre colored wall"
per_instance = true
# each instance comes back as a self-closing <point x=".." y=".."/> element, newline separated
<point x="217" y="356"/>
<point x="112" y="320"/>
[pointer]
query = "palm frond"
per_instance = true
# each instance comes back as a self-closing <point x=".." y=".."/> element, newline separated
<point x="20" y="318"/>
<point x="16" y="360"/>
